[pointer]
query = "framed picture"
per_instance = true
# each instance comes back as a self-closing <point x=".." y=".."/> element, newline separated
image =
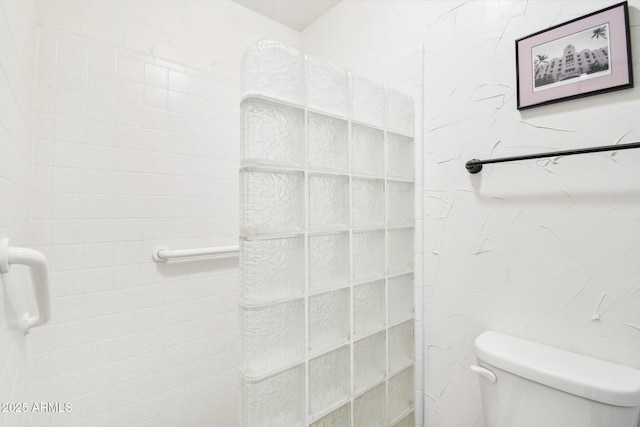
<point x="582" y="57"/>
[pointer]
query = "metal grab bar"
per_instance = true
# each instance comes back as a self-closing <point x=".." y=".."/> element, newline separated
<point x="163" y="254"/>
<point x="475" y="165"/>
<point x="39" y="278"/>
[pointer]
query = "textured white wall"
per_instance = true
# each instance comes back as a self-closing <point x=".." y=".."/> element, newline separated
<point x="17" y="35"/>
<point x="544" y="250"/>
<point x="375" y="39"/>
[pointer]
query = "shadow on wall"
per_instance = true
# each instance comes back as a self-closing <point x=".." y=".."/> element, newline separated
<point x="9" y="298"/>
<point x="553" y="196"/>
<point x="180" y="268"/>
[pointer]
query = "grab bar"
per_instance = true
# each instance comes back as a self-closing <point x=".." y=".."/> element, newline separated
<point x="163" y="254"/>
<point x="39" y="278"/>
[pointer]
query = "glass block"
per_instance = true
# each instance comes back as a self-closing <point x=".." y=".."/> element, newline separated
<point x="272" y="337"/>
<point x="328" y="201"/>
<point x="367" y="101"/>
<point x="369" y="361"/>
<point x="341" y="417"/>
<point x="368" y="202"/>
<point x="327" y="87"/>
<point x="367" y="154"/>
<point x="400" y="345"/>
<point x="400" y="112"/>
<point x="272" y="132"/>
<point x="369" y="410"/>
<point x="328" y="319"/>
<point x="276" y="401"/>
<point x="271" y="269"/>
<point x="408" y="421"/>
<point x="368" y="307"/>
<point x="271" y="201"/>
<point x="400" y="394"/>
<point x="400" y="156"/>
<point x="400" y="250"/>
<point x="400" y="297"/>
<point x="329" y="378"/>
<point x="368" y="255"/>
<point x="400" y="202"/>
<point x="328" y="142"/>
<point x="328" y="260"/>
<point x="273" y="69"/>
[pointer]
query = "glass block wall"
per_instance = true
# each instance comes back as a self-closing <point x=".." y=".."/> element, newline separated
<point x="326" y="246"/>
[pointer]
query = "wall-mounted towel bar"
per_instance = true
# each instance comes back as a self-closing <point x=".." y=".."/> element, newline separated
<point x="475" y="165"/>
<point x="37" y="262"/>
<point x="163" y="254"/>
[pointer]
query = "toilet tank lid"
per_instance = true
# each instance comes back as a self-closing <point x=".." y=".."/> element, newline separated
<point x="574" y="373"/>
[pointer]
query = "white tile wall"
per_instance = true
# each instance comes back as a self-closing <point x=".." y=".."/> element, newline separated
<point x="134" y="152"/>
<point x="17" y="36"/>
<point x="208" y="35"/>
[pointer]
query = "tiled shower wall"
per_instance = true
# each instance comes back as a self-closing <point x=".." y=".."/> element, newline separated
<point x="17" y="39"/>
<point x="326" y="246"/>
<point x="134" y="152"/>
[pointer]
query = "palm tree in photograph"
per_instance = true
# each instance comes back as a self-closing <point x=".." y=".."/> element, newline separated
<point x="540" y="61"/>
<point x="600" y="32"/>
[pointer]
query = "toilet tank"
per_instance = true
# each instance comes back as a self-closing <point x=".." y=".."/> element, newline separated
<point x="526" y="384"/>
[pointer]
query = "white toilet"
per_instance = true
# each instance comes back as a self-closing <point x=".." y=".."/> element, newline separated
<point x="526" y="384"/>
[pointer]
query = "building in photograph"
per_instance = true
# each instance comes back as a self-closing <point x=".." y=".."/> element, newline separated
<point x="572" y="64"/>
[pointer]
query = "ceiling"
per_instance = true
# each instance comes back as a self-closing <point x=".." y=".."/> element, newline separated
<point x="296" y="14"/>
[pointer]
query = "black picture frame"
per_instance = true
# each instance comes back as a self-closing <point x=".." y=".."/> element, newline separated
<point x="582" y="57"/>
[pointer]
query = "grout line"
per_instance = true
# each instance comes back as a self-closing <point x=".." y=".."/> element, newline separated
<point x="307" y="252"/>
<point x="387" y="209"/>
<point x="131" y="53"/>
<point x="307" y="278"/>
<point x="404" y="415"/>
<point x="159" y="416"/>
<point x="419" y="147"/>
<point x="23" y="111"/>
<point x="352" y="321"/>
<point x="142" y="331"/>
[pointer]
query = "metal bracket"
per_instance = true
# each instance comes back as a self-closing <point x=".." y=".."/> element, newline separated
<point x="472" y="166"/>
